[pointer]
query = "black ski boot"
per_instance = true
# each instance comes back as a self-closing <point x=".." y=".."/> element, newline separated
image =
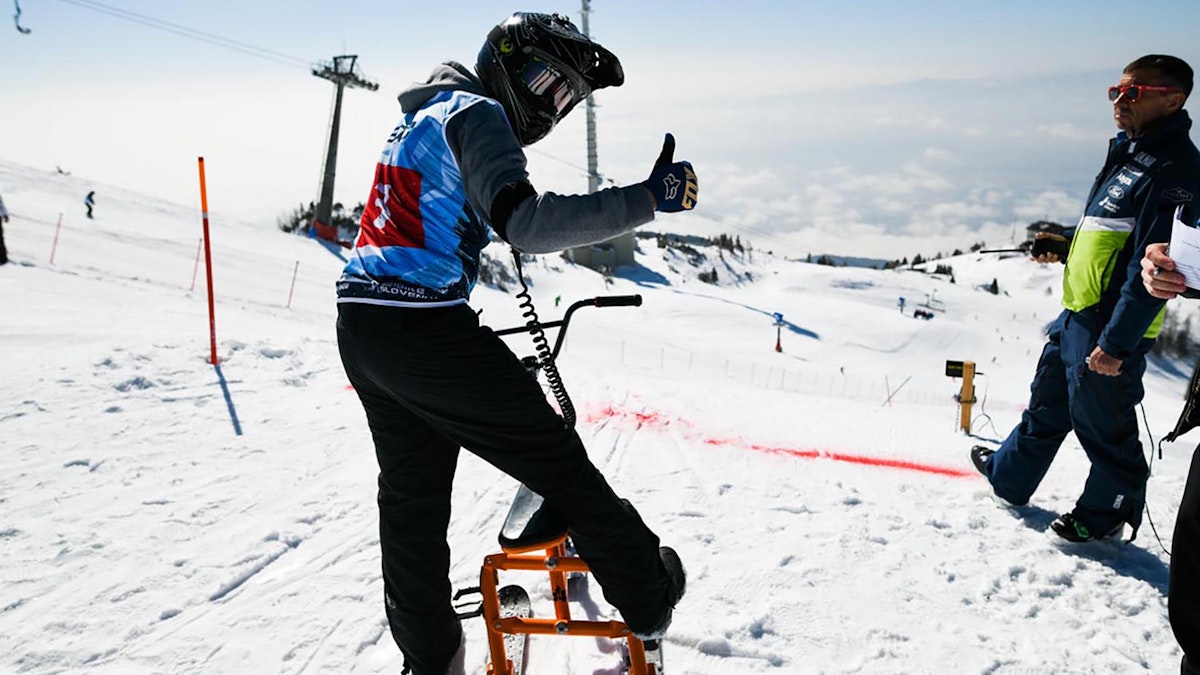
<point x="1071" y="530"/>
<point x="677" y="583"/>
<point x="979" y="457"/>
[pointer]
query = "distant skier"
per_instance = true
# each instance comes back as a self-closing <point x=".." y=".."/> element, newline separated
<point x="3" y="220"/>
<point x="1089" y="377"/>
<point x="1183" y="591"/>
<point x="89" y="201"/>
<point x="431" y="379"/>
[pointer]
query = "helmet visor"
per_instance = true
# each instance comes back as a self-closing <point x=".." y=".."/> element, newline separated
<point x="547" y="82"/>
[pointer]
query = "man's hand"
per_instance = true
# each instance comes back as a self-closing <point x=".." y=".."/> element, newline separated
<point x="1049" y="248"/>
<point x="672" y="185"/>
<point x="1101" y="363"/>
<point x="1159" y="275"/>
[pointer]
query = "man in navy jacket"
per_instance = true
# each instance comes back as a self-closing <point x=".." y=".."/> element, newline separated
<point x="1089" y="377"/>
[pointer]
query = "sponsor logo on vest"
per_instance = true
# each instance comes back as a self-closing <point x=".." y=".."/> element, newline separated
<point x="1125" y="180"/>
<point x="1145" y="159"/>
<point x="1117" y="503"/>
<point x="1115" y="192"/>
<point x="1109" y="206"/>
<point x="1177" y="195"/>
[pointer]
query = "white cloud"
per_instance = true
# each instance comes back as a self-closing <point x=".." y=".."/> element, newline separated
<point x="938" y="218"/>
<point x="1054" y="205"/>
<point x="1065" y="131"/>
<point x="939" y="155"/>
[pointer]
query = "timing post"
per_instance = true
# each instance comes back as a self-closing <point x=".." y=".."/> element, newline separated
<point x="966" y="396"/>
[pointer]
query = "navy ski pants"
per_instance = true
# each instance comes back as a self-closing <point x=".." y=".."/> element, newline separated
<point x="1101" y="410"/>
<point x="1183" y="601"/>
<point x="432" y="380"/>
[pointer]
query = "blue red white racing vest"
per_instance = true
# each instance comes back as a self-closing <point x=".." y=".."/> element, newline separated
<point x="419" y="240"/>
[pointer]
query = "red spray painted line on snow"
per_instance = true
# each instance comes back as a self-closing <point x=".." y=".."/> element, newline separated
<point x="653" y="419"/>
<point x="852" y="459"/>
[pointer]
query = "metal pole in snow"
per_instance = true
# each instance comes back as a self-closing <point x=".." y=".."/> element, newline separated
<point x="54" y="246"/>
<point x="293" y="289"/>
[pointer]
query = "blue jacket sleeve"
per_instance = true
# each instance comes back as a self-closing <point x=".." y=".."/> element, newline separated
<point x="1136" y="309"/>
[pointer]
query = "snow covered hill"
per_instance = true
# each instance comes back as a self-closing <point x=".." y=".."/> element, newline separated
<point x="162" y="515"/>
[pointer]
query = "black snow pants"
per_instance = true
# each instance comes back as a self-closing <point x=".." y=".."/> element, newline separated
<point x="3" y="248"/>
<point x="1183" y="596"/>
<point x="432" y="380"/>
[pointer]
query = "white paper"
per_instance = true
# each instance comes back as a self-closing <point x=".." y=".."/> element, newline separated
<point x="1184" y="249"/>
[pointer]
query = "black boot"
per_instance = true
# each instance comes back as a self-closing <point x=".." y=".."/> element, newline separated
<point x="677" y="584"/>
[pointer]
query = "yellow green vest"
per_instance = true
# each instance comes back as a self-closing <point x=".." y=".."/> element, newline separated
<point x="1094" y="250"/>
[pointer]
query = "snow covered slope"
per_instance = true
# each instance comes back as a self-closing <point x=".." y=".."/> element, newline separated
<point x="161" y="515"/>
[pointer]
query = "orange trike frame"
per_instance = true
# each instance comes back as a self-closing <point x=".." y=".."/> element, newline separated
<point x="550" y="557"/>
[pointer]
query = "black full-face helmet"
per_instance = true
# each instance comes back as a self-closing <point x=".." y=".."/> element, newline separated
<point x="538" y="66"/>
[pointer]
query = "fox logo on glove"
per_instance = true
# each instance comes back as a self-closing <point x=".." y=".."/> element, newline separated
<point x="666" y="178"/>
<point x="671" y="186"/>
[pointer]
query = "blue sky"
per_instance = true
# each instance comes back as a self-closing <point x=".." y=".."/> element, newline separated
<point x="855" y="127"/>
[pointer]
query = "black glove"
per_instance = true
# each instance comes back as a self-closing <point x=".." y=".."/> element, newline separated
<point x="1059" y="246"/>
<point x="673" y="184"/>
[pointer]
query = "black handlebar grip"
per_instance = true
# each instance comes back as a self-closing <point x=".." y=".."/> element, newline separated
<point x="618" y="301"/>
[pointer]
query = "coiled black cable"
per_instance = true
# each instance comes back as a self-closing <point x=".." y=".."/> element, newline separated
<point x="1150" y="469"/>
<point x="542" y="345"/>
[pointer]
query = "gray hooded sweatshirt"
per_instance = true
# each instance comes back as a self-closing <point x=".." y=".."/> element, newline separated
<point x="490" y="158"/>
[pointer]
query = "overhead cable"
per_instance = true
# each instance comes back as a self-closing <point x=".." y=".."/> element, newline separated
<point x="17" y="19"/>
<point x="193" y="33"/>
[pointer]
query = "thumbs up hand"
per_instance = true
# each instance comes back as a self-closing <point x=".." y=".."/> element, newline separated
<point x="672" y="184"/>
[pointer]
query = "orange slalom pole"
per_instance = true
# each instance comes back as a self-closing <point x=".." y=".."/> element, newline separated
<point x="212" y="316"/>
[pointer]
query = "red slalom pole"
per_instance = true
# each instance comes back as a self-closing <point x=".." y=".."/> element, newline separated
<point x="54" y="246"/>
<point x="212" y="316"/>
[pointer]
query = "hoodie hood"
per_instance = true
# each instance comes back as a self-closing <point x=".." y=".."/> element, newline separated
<point x="450" y="76"/>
